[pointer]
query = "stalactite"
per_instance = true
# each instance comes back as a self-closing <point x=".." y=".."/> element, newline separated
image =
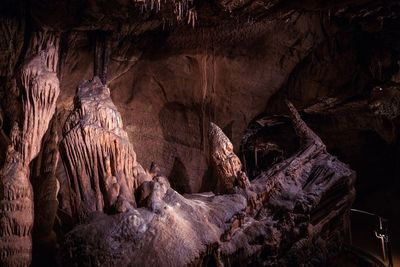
<point x="98" y="54"/>
<point x="40" y="88"/>
<point x="101" y="55"/>
<point x="192" y="17"/>
<point x="63" y="53"/>
<point x="204" y="87"/>
<point x="182" y="10"/>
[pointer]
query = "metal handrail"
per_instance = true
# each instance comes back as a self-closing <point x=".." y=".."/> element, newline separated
<point x="382" y="233"/>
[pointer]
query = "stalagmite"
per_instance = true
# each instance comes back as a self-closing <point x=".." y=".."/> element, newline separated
<point x="100" y="161"/>
<point x="227" y="166"/>
<point x="40" y="89"/>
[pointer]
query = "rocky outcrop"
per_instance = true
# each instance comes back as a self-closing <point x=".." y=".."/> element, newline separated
<point x="40" y="89"/>
<point x="294" y="213"/>
<point x="99" y="159"/>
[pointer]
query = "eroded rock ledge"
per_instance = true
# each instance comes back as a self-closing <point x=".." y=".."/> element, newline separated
<point x="294" y="213"/>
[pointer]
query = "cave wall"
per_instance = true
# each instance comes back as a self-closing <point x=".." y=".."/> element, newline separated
<point x="167" y="94"/>
<point x="170" y="80"/>
<point x="344" y="70"/>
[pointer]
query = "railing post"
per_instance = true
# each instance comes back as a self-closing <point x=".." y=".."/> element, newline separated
<point x="382" y="233"/>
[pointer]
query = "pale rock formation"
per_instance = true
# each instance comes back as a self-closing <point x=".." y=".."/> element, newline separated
<point x="16" y="205"/>
<point x="227" y="167"/>
<point x="279" y="220"/>
<point x="40" y="89"/>
<point x="98" y="157"/>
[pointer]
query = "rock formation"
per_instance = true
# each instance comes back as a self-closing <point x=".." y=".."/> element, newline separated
<point x="40" y="89"/>
<point x="279" y="219"/>
<point x="99" y="159"/>
<point x="227" y="166"/>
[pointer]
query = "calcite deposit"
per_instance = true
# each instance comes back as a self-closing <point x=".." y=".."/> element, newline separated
<point x="100" y="161"/>
<point x="40" y="89"/>
<point x="281" y="213"/>
<point x="227" y="167"/>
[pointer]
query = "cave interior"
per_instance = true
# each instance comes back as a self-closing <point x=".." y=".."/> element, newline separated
<point x="199" y="133"/>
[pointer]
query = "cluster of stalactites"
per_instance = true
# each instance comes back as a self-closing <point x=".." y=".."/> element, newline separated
<point x="183" y="10"/>
<point x="41" y="89"/>
<point x="46" y="43"/>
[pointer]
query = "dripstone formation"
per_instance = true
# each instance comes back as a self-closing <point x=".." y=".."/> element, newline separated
<point x="100" y="161"/>
<point x="278" y="219"/>
<point x="227" y="166"/>
<point x="40" y="89"/>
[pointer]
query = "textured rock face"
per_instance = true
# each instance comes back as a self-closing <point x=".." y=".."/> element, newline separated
<point x="100" y="161"/>
<point x="40" y="89"/>
<point x="279" y="219"/>
<point x="16" y="212"/>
